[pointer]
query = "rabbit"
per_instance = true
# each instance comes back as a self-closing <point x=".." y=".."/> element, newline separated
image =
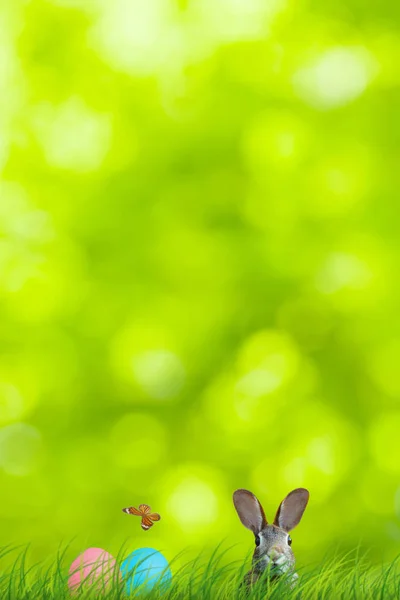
<point x="273" y="542"/>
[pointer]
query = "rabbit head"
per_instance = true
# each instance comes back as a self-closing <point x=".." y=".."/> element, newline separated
<point x="273" y="542"/>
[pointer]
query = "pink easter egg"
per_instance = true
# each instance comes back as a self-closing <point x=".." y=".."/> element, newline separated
<point x="94" y="568"/>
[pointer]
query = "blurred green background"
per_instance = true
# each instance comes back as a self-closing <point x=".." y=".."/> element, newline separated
<point x="199" y="249"/>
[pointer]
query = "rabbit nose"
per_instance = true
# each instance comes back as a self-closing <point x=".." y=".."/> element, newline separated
<point x="275" y="553"/>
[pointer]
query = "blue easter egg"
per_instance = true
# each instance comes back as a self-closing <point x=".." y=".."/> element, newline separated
<point x="146" y="568"/>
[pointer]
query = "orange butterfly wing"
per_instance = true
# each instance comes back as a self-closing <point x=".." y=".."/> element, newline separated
<point x="149" y="520"/>
<point x="131" y="510"/>
<point x="144" y="509"/>
<point x="146" y="523"/>
<point x="154" y="516"/>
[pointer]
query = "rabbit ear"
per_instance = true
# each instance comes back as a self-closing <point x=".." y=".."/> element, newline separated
<point x="249" y="510"/>
<point x="291" y="509"/>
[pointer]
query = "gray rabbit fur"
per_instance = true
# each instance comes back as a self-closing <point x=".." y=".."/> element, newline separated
<point x="273" y="542"/>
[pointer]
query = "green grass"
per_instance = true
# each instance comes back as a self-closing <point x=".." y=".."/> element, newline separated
<point x="346" y="577"/>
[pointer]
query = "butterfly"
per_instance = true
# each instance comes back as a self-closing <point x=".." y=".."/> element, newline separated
<point x="148" y="518"/>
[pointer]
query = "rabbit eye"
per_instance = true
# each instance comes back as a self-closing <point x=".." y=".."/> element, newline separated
<point x="258" y="540"/>
<point x="289" y="540"/>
